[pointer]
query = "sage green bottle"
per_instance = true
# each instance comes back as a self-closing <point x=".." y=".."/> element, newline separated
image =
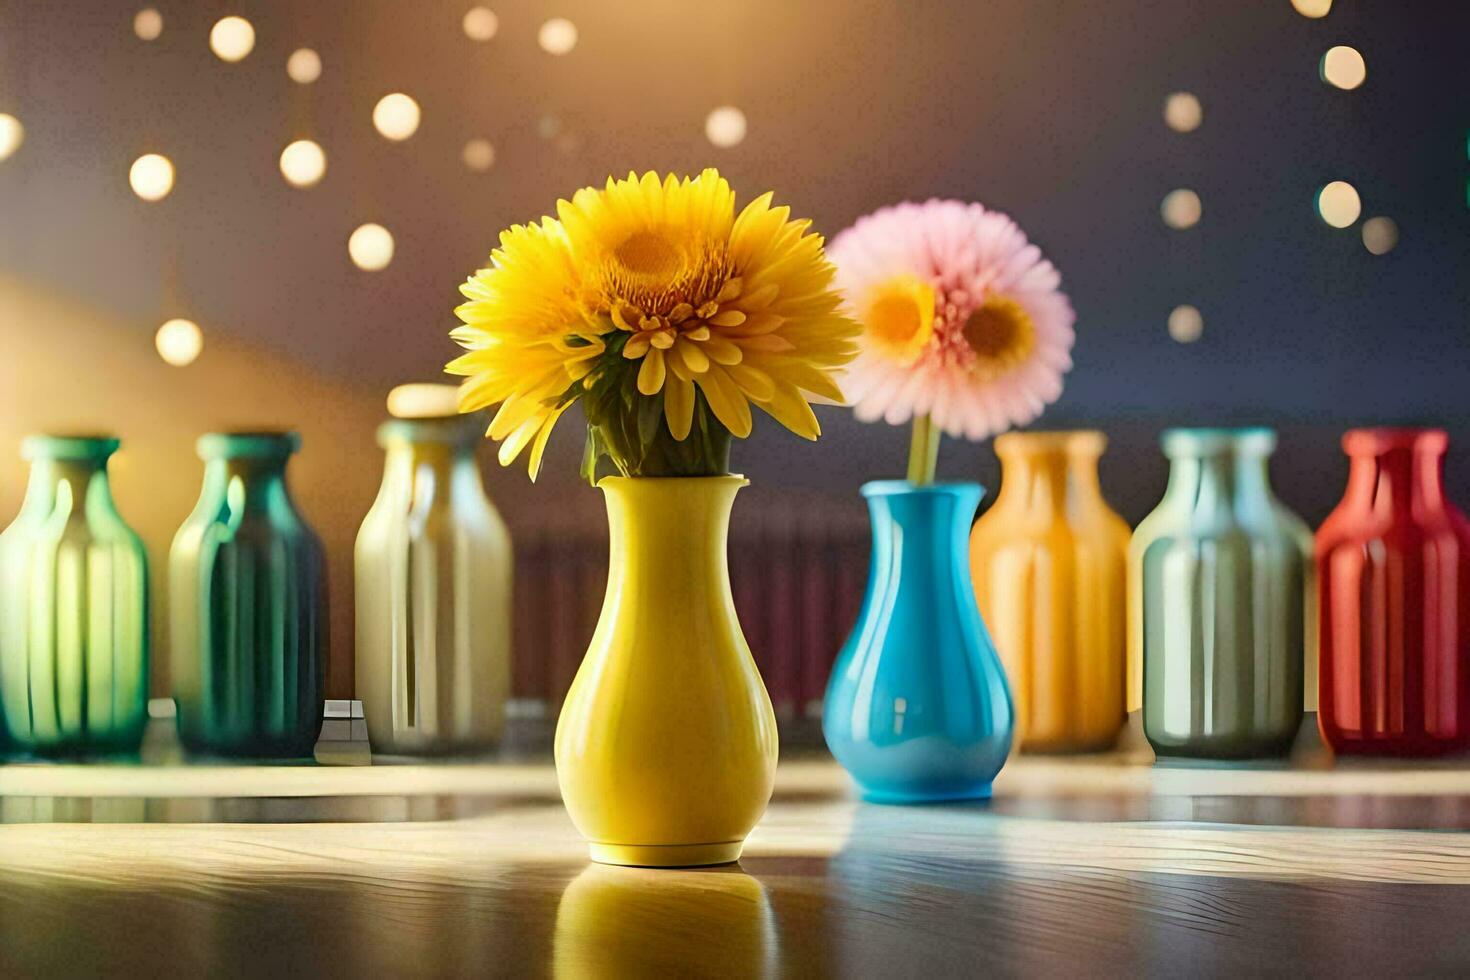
<point x="73" y="608"/>
<point x="433" y="566"/>
<point x="1219" y="590"/>
<point x="247" y="589"/>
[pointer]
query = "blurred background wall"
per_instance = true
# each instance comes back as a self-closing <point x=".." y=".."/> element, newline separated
<point x="1052" y="110"/>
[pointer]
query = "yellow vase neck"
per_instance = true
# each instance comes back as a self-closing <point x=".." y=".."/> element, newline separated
<point x="667" y="535"/>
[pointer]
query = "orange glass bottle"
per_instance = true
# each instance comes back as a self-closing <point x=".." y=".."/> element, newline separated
<point x="1049" y="562"/>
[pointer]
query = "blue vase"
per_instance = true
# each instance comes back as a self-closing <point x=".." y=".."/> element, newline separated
<point x="917" y="708"/>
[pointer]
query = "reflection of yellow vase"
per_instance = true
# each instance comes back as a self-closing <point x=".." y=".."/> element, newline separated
<point x="1049" y="562"/>
<point x="616" y="922"/>
<point x="666" y="746"/>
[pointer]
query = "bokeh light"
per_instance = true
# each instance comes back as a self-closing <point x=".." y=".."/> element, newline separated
<point x="1185" y="324"/>
<point x="558" y="36"/>
<point x="480" y="23"/>
<point x="148" y="24"/>
<point x="1182" y="112"/>
<point x="152" y="176"/>
<point x="725" y="126"/>
<point x="1343" y="67"/>
<point x="231" y="38"/>
<point x="371" y="247"/>
<point x="1181" y="209"/>
<point x="396" y="116"/>
<point x="1380" y="235"/>
<point x="304" y="66"/>
<point x="303" y="163"/>
<point x="1338" y="204"/>
<point x="423" y="401"/>
<point x="1312" y="8"/>
<point x="179" y="342"/>
<point x="12" y="135"/>
<point x="478" y="155"/>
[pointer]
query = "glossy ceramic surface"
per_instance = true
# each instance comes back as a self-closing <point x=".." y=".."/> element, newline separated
<point x="917" y="707"/>
<point x="433" y="568"/>
<point x="666" y="746"/>
<point x="1220" y="588"/>
<point x="1394" y="570"/>
<point x="247" y="584"/>
<point x="73" y="608"/>
<point x="1049" y="561"/>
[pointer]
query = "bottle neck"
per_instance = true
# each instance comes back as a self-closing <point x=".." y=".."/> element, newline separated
<point x="1398" y="482"/>
<point x="1219" y="479"/>
<point x="69" y="483"/>
<point x="249" y="483"/>
<point x="1051" y="481"/>
<point x="431" y="470"/>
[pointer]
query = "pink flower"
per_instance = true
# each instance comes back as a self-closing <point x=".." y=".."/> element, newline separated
<point x="962" y="318"/>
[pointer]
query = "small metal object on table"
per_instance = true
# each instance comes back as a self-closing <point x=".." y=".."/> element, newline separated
<point x="344" y="737"/>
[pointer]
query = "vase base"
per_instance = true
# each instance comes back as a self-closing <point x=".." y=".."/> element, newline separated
<point x="666" y="855"/>
<point x="920" y="796"/>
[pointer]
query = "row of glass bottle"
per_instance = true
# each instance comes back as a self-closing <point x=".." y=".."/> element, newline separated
<point x="247" y="600"/>
<point x="1214" y="600"/>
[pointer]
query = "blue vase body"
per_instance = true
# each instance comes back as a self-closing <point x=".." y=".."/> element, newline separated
<point x="917" y="708"/>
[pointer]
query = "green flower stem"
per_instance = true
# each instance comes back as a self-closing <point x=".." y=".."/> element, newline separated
<point x="924" y="451"/>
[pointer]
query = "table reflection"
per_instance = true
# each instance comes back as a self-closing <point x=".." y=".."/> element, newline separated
<point x="639" y="922"/>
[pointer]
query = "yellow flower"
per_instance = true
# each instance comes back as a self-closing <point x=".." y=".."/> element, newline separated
<point x="526" y="340"/>
<point x="661" y="278"/>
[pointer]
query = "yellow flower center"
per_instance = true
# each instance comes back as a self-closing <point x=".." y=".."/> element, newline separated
<point x="1001" y="334"/>
<point x="900" y="317"/>
<point x="656" y="269"/>
<point x="648" y="254"/>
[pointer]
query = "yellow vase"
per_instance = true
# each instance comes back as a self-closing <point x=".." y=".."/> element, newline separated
<point x="666" y="745"/>
<point x="1049" y="561"/>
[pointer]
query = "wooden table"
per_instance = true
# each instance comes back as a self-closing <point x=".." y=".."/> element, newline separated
<point x="1095" y="866"/>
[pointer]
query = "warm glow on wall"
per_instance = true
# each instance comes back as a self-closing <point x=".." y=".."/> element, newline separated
<point x="231" y="38"/>
<point x="396" y="116"/>
<point x="1181" y="209"/>
<point x="1182" y="112"/>
<point x="480" y="23"/>
<point x="12" y="135"/>
<point x="479" y="155"/>
<point x="1339" y="204"/>
<point x="1380" y="235"/>
<point x="1312" y="8"/>
<point x="179" y="342"/>
<point x="1185" y="324"/>
<point x="423" y="401"/>
<point x="148" y="24"/>
<point x="303" y="163"/>
<point x="152" y="176"/>
<point x="1343" y="67"/>
<point x="558" y="36"/>
<point x="371" y="247"/>
<point x="304" y="66"/>
<point x="725" y="126"/>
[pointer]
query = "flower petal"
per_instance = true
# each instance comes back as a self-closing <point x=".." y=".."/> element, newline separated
<point x="651" y="374"/>
<point x="679" y="406"/>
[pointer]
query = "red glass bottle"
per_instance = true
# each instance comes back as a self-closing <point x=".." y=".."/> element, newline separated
<point x="1393" y="564"/>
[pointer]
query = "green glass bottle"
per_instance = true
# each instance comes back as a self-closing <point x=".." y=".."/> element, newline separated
<point x="247" y="588"/>
<point x="1220" y="579"/>
<point x="73" y="608"/>
<point x="434" y="567"/>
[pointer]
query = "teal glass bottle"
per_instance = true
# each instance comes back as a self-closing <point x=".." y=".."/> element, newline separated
<point x="73" y="608"/>
<point x="247" y="589"/>
<point x="1220" y="578"/>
